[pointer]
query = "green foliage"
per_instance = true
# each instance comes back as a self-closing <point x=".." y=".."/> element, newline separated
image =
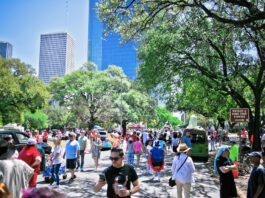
<point x="20" y="90"/>
<point x="164" y="115"/>
<point x="58" y="117"/>
<point x="93" y="97"/>
<point x="37" y="120"/>
<point x="216" y="44"/>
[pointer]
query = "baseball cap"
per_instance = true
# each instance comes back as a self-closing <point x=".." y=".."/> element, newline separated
<point x="156" y="143"/>
<point x="72" y="134"/>
<point x="255" y="154"/>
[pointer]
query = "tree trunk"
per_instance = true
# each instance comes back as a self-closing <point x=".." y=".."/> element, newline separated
<point x="254" y="126"/>
<point x="91" y="122"/>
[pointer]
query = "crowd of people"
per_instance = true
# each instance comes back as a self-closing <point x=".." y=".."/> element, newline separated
<point x="19" y="171"/>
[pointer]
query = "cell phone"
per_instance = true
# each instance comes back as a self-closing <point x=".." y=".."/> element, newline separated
<point x="120" y="187"/>
<point x="102" y="176"/>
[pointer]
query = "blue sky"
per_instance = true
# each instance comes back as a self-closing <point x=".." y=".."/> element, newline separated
<point x="23" y="21"/>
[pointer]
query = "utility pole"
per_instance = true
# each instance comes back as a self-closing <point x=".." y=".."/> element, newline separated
<point x="121" y="107"/>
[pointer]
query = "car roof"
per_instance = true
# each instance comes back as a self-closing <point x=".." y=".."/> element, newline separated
<point x="9" y="131"/>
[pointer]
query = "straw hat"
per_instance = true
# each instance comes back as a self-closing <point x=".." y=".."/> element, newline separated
<point x="183" y="148"/>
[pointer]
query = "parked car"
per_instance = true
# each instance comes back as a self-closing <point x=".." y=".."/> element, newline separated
<point x="104" y="140"/>
<point x="20" y="139"/>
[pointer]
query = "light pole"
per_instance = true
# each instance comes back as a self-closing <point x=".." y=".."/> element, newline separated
<point x="121" y="103"/>
<point x="121" y="107"/>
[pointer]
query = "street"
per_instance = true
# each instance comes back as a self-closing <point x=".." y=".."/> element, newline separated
<point x="204" y="186"/>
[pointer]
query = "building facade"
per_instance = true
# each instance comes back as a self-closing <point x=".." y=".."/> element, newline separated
<point x="56" y="56"/>
<point x="6" y="49"/>
<point x="108" y="51"/>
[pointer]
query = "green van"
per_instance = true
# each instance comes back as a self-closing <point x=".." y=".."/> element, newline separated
<point x="199" y="142"/>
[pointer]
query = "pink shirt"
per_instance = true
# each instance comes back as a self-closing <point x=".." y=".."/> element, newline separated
<point x="137" y="146"/>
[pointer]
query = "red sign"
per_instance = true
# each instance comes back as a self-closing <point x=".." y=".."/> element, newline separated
<point x="239" y="115"/>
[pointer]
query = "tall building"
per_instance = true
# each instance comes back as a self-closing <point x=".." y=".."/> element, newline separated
<point x="6" y="49"/>
<point x="108" y="51"/>
<point x="56" y="56"/>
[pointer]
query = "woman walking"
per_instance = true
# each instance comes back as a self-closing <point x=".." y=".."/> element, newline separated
<point x="131" y="150"/>
<point x="56" y="161"/>
<point x="182" y="170"/>
<point x="96" y="145"/>
<point x="149" y="147"/>
<point x="138" y="149"/>
<point x="224" y="166"/>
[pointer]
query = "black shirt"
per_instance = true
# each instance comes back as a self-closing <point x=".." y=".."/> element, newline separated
<point x="111" y="173"/>
<point x="221" y="161"/>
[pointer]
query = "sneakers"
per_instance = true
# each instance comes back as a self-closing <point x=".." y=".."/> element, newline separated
<point x="55" y="186"/>
<point x="82" y="170"/>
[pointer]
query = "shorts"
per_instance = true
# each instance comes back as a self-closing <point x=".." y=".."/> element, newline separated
<point x="71" y="163"/>
<point x="157" y="163"/>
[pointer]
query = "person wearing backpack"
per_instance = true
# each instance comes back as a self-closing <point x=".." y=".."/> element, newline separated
<point x="182" y="170"/>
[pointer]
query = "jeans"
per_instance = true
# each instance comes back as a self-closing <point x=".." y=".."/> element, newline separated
<point x="82" y="155"/>
<point x="55" y="173"/>
<point x="131" y="158"/>
<point x="212" y="145"/>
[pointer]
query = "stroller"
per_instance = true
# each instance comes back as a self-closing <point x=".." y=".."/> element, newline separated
<point x="48" y="175"/>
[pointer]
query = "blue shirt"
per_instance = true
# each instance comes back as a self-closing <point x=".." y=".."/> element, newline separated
<point x="162" y="143"/>
<point x="71" y="149"/>
<point x="157" y="154"/>
<point x="187" y="141"/>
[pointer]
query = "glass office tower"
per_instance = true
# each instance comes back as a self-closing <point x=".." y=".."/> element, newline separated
<point x="56" y="56"/>
<point x="6" y="49"/>
<point x="108" y="51"/>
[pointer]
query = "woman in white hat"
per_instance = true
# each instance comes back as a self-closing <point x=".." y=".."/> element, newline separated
<point x="182" y="170"/>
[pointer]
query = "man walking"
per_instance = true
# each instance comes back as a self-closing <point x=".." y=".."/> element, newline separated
<point x="186" y="139"/>
<point x="119" y="177"/>
<point x="256" y="182"/>
<point x="72" y="153"/>
<point x="83" y="148"/>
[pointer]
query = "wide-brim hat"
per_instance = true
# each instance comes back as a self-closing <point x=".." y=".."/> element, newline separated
<point x="31" y="141"/>
<point x="183" y="148"/>
<point x="6" y="151"/>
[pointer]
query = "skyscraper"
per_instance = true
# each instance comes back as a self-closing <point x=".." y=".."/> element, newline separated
<point x="108" y="51"/>
<point x="56" y="56"/>
<point x="6" y="49"/>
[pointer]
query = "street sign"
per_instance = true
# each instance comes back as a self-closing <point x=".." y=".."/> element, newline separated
<point x="239" y="115"/>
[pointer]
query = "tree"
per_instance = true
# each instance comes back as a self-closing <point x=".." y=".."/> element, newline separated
<point x="37" y="120"/>
<point x="58" y="117"/>
<point x="20" y="91"/>
<point x="219" y="43"/>
<point x="164" y="115"/>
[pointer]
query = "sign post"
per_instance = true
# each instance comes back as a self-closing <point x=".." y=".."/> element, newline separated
<point x="239" y="115"/>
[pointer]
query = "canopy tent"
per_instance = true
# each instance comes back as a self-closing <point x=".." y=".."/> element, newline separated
<point x="136" y="126"/>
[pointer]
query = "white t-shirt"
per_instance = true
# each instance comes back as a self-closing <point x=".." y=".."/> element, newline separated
<point x="59" y="159"/>
<point x="16" y="174"/>
<point x="168" y="135"/>
<point x="148" y="148"/>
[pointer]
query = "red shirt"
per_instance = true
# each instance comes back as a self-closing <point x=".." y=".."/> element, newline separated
<point x="134" y="137"/>
<point x="29" y="154"/>
<point x="45" y="135"/>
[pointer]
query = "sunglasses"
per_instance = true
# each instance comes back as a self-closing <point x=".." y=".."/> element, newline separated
<point x="114" y="158"/>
